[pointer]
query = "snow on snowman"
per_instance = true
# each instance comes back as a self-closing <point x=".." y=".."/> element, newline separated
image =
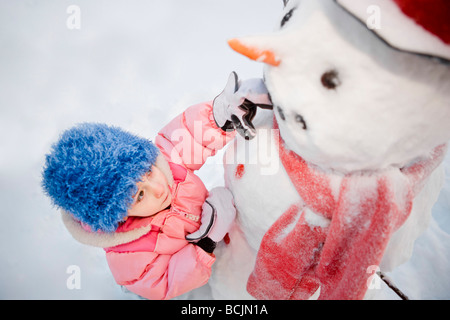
<point x="353" y="148"/>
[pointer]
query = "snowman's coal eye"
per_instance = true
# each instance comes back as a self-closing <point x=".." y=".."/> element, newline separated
<point x="281" y="113"/>
<point x="330" y="79"/>
<point x="299" y="119"/>
<point x="287" y="17"/>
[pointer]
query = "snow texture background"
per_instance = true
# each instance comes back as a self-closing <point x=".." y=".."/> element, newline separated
<point x="135" y="64"/>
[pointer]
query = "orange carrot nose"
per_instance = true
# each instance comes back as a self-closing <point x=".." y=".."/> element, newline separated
<point x="253" y="53"/>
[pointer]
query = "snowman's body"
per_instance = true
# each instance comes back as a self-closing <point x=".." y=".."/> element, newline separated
<point x="377" y="109"/>
<point x="262" y="198"/>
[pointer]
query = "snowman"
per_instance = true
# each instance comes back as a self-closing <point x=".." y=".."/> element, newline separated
<point x="341" y="176"/>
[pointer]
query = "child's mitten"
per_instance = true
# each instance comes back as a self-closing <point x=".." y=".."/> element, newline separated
<point x="217" y="217"/>
<point x="236" y="106"/>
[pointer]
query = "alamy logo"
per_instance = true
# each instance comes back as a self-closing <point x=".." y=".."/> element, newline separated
<point x="74" y="280"/>
<point x="195" y="151"/>
<point x="374" y="281"/>
<point x="373" y="21"/>
<point x="73" y="21"/>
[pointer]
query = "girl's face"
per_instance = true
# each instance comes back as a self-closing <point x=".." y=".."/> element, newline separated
<point x="153" y="194"/>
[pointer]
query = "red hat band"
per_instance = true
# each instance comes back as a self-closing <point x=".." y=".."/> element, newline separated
<point x="432" y="15"/>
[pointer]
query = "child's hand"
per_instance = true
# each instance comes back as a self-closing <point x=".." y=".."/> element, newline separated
<point x="236" y="106"/>
<point x="217" y="217"/>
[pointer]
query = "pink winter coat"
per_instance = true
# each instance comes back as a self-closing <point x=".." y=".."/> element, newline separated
<point x="150" y="256"/>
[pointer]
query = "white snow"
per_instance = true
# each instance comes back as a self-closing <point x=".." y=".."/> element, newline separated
<point x="134" y="64"/>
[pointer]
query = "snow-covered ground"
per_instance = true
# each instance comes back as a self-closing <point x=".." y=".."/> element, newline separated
<point x="134" y="64"/>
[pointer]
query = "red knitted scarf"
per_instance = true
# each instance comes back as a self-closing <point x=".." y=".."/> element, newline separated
<point x="297" y="256"/>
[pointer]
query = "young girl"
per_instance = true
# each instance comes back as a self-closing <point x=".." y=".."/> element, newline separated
<point x="141" y="202"/>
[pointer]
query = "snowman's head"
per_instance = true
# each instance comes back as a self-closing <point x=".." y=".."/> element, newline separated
<point x="345" y="99"/>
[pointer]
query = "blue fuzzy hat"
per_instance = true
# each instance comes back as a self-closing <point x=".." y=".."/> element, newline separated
<point x="92" y="172"/>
